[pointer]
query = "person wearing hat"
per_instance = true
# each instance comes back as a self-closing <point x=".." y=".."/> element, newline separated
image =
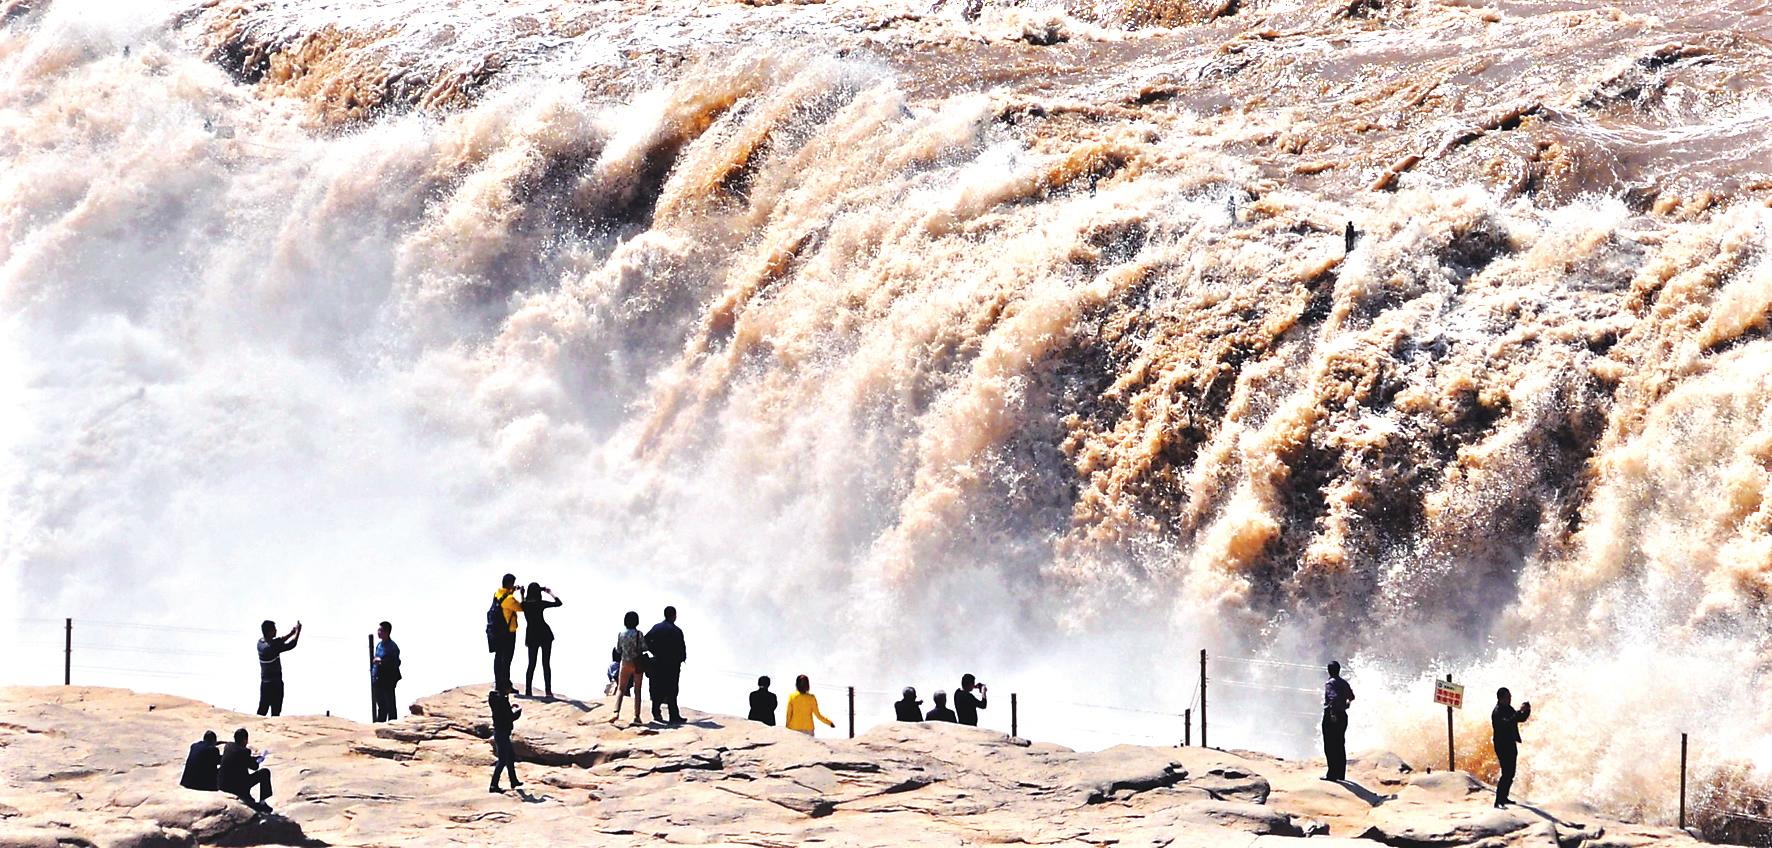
<point x="908" y="707"/>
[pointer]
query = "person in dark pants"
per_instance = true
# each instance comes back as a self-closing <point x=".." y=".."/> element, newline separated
<point x="203" y="765"/>
<point x="763" y="703"/>
<point x="240" y="773"/>
<point x="507" y="605"/>
<point x="538" y="637"/>
<point x="1337" y="696"/>
<point x="940" y="711"/>
<point x="271" y="649"/>
<point x="504" y="720"/>
<point x="909" y="707"/>
<point x="384" y="674"/>
<point x="966" y="704"/>
<point x="1505" y="720"/>
<point x="669" y="652"/>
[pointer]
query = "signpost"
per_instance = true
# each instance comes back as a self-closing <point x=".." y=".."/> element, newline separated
<point x="1452" y="695"/>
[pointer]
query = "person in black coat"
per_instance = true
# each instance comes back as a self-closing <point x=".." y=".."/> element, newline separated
<point x="966" y="704"/>
<point x="1337" y="697"/>
<point x="203" y="765"/>
<point x="1505" y="720"/>
<point x="504" y="721"/>
<point x="763" y="703"/>
<point x="538" y="637"/>
<point x="240" y="773"/>
<point x="940" y="711"/>
<point x="910" y="707"/>
<point x="665" y="668"/>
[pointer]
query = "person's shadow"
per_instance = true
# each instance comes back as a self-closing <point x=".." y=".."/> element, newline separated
<point x="529" y="797"/>
<point x="1371" y="798"/>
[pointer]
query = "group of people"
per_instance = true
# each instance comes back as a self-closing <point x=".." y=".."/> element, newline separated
<point x="235" y="770"/>
<point x="512" y="604"/>
<point x="1504" y="722"/>
<point x="966" y="704"/>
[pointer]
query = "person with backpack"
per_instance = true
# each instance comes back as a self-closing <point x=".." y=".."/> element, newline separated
<point x="538" y="637"/>
<point x="271" y="649"/>
<point x="501" y="632"/>
<point x="631" y="644"/>
<point x="384" y="674"/>
<point x="504" y="753"/>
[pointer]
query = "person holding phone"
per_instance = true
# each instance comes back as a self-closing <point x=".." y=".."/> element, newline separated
<point x="966" y="704"/>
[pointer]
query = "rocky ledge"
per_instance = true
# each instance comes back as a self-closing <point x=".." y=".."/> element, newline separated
<point x="100" y="767"/>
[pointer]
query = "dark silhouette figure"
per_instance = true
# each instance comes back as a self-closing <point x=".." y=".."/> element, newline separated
<point x="909" y="707"/>
<point x="240" y="773"/>
<point x="1506" y="722"/>
<point x="203" y="765"/>
<point x="504" y="720"/>
<point x="538" y="637"/>
<point x="384" y="674"/>
<point x="1337" y="696"/>
<point x="271" y="649"/>
<point x="966" y="704"/>
<point x="501" y="631"/>
<point x="763" y="703"/>
<point x="1350" y="237"/>
<point x="940" y="711"/>
<point x="669" y="652"/>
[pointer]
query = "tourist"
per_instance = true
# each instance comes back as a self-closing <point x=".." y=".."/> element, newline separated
<point x="940" y="711"/>
<point x="909" y="707"/>
<point x="538" y="637"/>
<point x="1337" y="695"/>
<point x="669" y="652"/>
<point x="631" y="644"/>
<point x="967" y="705"/>
<point x="240" y="772"/>
<point x="763" y="703"/>
<point x="803" y="708"/>
<point x="501" y="631"/>
<point x="504" y="720"/>
<point x="271" y="649"/>
<point x="384" y="674"/>
<point x="203" y="764"/>
<point x="1505" y="720"/>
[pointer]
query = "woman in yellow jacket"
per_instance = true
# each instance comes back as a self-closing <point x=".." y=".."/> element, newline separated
<point x="803" y="707"/>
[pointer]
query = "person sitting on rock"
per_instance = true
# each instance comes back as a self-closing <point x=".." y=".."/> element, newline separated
<point x="966" y="704"/>
<point x="763" y="703"/>
<point x="803" y="708"/>
<point x="940" y="711"/>
<point x="504" y="720"/>
<point x="240" y="772"/>
<point x="1505" y="721"/>
<point x="203" y="765"/>
<point x="910" y="707"/>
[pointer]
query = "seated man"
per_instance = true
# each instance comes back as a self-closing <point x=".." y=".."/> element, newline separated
<point x="240" y="772"/>
<point x="202" y="765"/>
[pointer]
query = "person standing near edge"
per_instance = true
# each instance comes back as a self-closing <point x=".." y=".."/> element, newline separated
<point x="967" y="705"/>
<point x="384" y="674"/>
<point x="504" y="721"/>
<point x="940" y="711"/>
<point x="538" y="637"/>
<point x="669" y="652"/>
<point x="271" y="649"/>
<point x="763" y="703"/>
<point x="631" y="644"/>
<point x="1506" y="722"/>
<point x="502" y="641"/>
<point x="909" y="707"/>
<point x="803" y="707"/>
<point x="1337" y="696"/>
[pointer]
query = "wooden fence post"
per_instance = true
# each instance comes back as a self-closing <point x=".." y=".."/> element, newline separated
<point x="852" y="712"/>
<point x="68" y="655"/>
<point x="1203" y="743"/>
<point x="1014" y="716"/>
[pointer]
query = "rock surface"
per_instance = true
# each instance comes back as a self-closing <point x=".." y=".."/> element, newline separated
<point x="100" y="767"/>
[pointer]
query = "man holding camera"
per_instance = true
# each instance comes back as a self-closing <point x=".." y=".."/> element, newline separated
<point x="966" y="704"/>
